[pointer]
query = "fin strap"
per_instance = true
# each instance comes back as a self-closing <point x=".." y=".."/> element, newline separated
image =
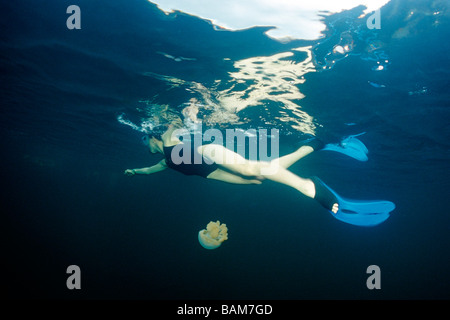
<point x="316" y="144"/>
<point x="323" y="195"/>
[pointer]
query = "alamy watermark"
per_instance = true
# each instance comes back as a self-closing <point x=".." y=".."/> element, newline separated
<point x="374" y="20"/>
<point x="74" y="20"/>
<point x="74" y="280"/>
<point x="374" y="280"/>
<point x="253" y="140"/>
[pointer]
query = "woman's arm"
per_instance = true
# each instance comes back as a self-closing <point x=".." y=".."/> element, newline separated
<point x="156" y="168"/>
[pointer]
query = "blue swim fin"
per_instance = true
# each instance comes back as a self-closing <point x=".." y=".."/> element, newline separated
<point x="357" y="212"/>
<point x="351" y="147"/>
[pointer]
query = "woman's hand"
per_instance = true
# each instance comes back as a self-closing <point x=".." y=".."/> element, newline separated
<point x="129" y="172"/>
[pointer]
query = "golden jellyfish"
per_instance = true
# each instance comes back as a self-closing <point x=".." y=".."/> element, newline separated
<point x="214" y="235"/>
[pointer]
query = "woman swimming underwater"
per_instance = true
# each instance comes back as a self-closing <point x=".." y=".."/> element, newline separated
<point x="220" y="163"/>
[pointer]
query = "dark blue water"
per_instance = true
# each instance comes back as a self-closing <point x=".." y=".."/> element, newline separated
<point x="66" y="201"/>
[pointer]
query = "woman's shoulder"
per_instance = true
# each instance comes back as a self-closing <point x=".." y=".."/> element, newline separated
<point x="170" y="137"/>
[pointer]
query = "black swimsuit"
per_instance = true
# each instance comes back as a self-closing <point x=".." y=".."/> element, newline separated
<point x="202" y="169"/>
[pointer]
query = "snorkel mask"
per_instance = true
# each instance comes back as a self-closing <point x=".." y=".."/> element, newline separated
<point x="145" y="140"/>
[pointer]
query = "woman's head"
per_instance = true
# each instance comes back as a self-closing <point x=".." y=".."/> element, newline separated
<point x="152" y="138"/>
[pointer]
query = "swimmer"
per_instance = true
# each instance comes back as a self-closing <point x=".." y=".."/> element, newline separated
<point x="239" y="171"/>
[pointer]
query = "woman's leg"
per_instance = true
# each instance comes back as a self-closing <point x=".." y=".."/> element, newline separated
<point x="310" y="146"/>
<point x="229" y="177"/>
<point x="288" y="160"/>
<point x="273" y="170"/>
<point x="261" y="170"/>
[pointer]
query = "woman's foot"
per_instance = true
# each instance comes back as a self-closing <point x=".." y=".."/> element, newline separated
<point x="324" y="196"/>
<point x="335" y="208"/>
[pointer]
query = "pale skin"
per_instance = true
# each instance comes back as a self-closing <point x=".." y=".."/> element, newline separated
<point x="233" y="168"/>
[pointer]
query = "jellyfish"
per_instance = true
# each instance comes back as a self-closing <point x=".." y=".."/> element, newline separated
<point x="213" y="236"/>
